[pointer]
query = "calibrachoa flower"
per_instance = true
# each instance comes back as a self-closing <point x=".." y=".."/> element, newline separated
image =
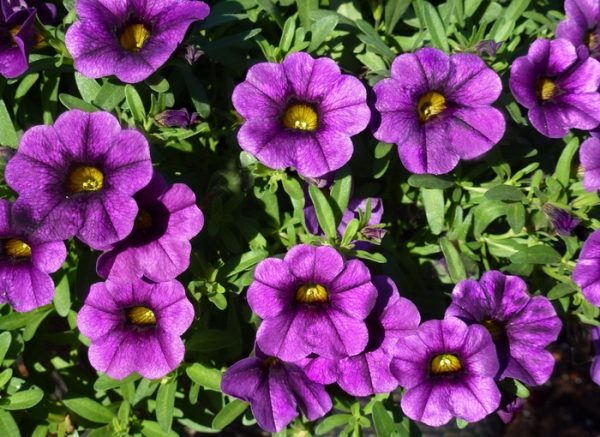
<point x="25" y="264"/>
<point x="158" y="247"/>
<point x="562" y="221"/>
<point x="521" y="325"/>
<point x="78" y="178"/>
<point x="448" y="370"/>
<point x="135" y="327"/>
<point x="595" y="370"/>
<point x="177" y="118"/>
<point x="300" y="113"/>
<point x="128" y="38"/>
<point x="437" y="109"/>
<point x="589" y="156"/>
<point x="559" y="90"/>
<point x="275" y="390"/>
<point x="46" y="11"/>
<point x="369" y="372"/>
<point x="312" y="301"/>
<point x="17" y="36"/>
<point x="582" y="25"/>
<point x="587" y="270"/>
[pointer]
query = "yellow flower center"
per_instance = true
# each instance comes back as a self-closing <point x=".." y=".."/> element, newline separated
<point x="445" y="364"/>
<point x="16" y="248"/>
<point x="591" y="40"/>
<point x="13" y="32"/>
<point x="270" y="361"/>
<point x="85" y="178"/>
<point x="300" y="116"/>
<point x="143" y="220"/>
<point x="311" y="293"/>
<point x="134" y="36"/>
<point x="141" y="316"/>
<point x="493" y="328"/>
<point x="430" y="105"/>
<point x="545" y="89"/>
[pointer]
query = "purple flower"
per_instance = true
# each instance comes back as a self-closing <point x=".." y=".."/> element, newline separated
<point x="448" y="370"/>
<point x="521" y="326"/>
<point x="437" y="109"/>
<point x="559" y="89"/>
<point x="510" y="405"/>
<point x="587" y="270"/>
<point x="177" y="118"/>
<point x="158" y="248"/>
<point x="595" y="370"/>
<point x="300" y="113"/>
<point x="312" y="301"/>
<point x="589" y="156"/>
<point x="369" y="372"/>
<point x="45" y="11"/>
<point x="78" y="178"/>
<point x="562" y="221"/>
<point x="135" y="327"/>
<point x="25" y="264"/>
<point x="129" y="38"/>
<point x="17" y="36"/>
<point x="582" y="25"/>
<point x="275" y="390"/>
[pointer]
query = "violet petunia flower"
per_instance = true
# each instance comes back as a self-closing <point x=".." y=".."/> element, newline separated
<point x="559" y="89"/>
<point x="562" y="221"/>
<point x="447" y="369"/>
<point x="300" y="113"/>
<point x="595" y="369"/>
<point x="78" y="177"/>
<point x="521" y="326"/>
<point x="128" y="38"/>
<point x="437" y="109"/>
<point x="587" y="269"/>
<point x="312" y="301"/>
<point x="46" y="11"/>
<point x="17" y="37"/>
<point x="159" y="246"/>
<point x="589" y="156"/>
<point x="582" y="25"/>
<point x="275" y="390"/>
<point x="369" y="372"/>
<point x="135" y="327"/>
<point x="26" y="264"/>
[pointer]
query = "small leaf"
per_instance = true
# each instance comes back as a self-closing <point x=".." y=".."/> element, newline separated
<point x="8" y="426"/>
<point x="22" y="400"/>
<point x="433" y="201"/>
<point x="505" y="193"/>
<point x="340" y="192"/>
<point x="89" y="409"/>
<point x="329" y="423"/>
<point x="5" y="339"/>
<point x="287" y="35"/>
<point x="394" y="10"/>
<point x="165" y="404"/>
<point x="435" y="26"/>
<point x="72" y="102"/>
<point x="205" y="376"/>
<point x="384" y="423"/>
<point x="134" y="101"/>
<point x="540" y="254"/>
<point x="8" y="134"/>
<point x="324" y="212"/>
<point x="561" y="290"/>
<point x="320" y="30"/>
<point x="229" y="413"/>
<point x="350" y="232"/>
<point x="456" y="268"/>
<point x="429" y="181"/>
<point x="62" y="297"/>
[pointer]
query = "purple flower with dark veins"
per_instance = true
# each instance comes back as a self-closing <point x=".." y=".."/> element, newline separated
<point x="17" y="37"/>
<point x="521" y="326"/>
<point x="587" y="269"/>
<point x="582" y="25"/>
<point x="312" y="302"/>
<point x="159" y="246"/>
<point x="129" y="38"/>
<point x="447" y="369"/>
<point x="135" y="327"/>
<point x="510" y="405"/>
<point x="26" y="264"/>
<point x="177" y="118"/>
<point x="589" y="156"/>
<point x="275" y="390"/>
<point x="559" y="89"/>
<point x="562" y="221"/>
<point x="78" y="177"/>
<point x="301" y="113"/>
<point x="437" y="109"/>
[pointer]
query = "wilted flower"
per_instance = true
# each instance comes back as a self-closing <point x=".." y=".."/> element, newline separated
<point x="275" y="390"/>
<point x="46" y="11"/>
<point x="129" y="38"/>
<point x="135" y="327"/>
<point x="510" y="405"/>
<point x="437" y="109"/>
<point x="589" y="156"/>
<point x="177" y="118"/>
<point x="587" y="270"/>
<point x="488" y="47"/>
<point x="595" y="370"/>
<point x="562" y="221"/>
<point x="521" y="325"/>
<point x="300" y="113"/>
<point x="448" y="370"/>
<point x="192" y="54"/>
<point x="559" y="89"/>
<point x="158" y="247"/>
<point x="582" y="25"/>
<point x="312" y="301"/>
<point x="25" y="264"/>
<point x="78" y="178"/>
<point x="17" y="37"/>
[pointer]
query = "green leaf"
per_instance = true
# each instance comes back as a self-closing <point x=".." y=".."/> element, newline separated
<point x="329" y="423"/>
<point x="435" y="26"/>
<point x="304" y="9"/>
<point x="22" y="400"/>
<point x="564" y="164"/>
<point x="34" y="323"/>
<point x="287" y="34"/>
<point x="394" y="10"/>
<point x="521" y="390"/>
<point x="271" y="9"/>
<point x="8" y="426"/>
<point x="62" y="297"/>
<point x="505" y="192"/>
<point x="324" y="212"/>
<point x="350" y="232"/>
<point x="134" y="101"/>
<point x="320" y="30"/>
<point x="25" y="85"/>
<point x="89" y="409"/>
<point x="461" y="423"/>
<point x="340" y="192"/>
<point x="205" y="376"/>
<point x="5" y="339"/>
<point x="433" y="202"/>
<point x="165" y="404"/>
<point x="515" y="214"/>
<point x="8" y="134"/>
<point x="375" y="257"/>
<point x="456" y="268"/>
<point x="485" y="213"/>
<point x="88" y="88"/>
<point x="384" y="423"/>
<point x="5" y="376"/>
<point x="540" y="254"/>
<point x="429" y="181"/>
<point x="110" y="96"/>
<point x="229" y="413"/>
<point x="242" y="262"/>
<point x="153" y="429"/>
<point x="371" y="38"/>
<point x="72" y="102"/>
<point x="561" y="290"/>
<point x="18" y="320"/>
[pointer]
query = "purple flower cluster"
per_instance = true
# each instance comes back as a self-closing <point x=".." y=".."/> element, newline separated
<point x="86" y="177"/>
